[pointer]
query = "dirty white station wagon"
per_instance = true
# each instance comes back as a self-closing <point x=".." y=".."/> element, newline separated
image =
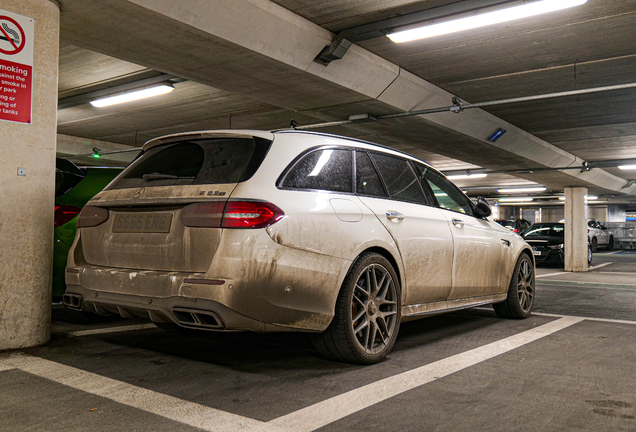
<point x="291" y="231"/>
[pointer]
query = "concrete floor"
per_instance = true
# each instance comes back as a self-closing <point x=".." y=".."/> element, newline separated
<point x="465" y="371"/>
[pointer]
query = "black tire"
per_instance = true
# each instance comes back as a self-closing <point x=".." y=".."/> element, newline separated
<point x="520" y="300"/>
<point x="610" y="245"/>
<point x="594" y="244"/>
<point x="369" y="302"/>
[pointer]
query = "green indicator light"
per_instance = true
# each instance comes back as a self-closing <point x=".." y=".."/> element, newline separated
<point x="97" y="155"/>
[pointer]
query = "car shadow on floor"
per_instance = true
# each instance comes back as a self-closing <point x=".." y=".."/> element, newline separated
<point x="258" y="353"/>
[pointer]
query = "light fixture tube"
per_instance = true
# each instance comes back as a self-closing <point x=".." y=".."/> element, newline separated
<point x="587" y="197"/>
<point x="522" y="190"/>
<point x="484" y="19"/>
<point x="627" y="167"/>
<point x="466" y="176"/>
<point x="520" y="200"/>
<point x="133" y="95"/>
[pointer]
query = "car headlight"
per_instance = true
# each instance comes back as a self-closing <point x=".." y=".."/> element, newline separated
<point x="555" y="247"/>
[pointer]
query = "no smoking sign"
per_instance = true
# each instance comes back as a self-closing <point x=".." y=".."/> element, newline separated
<point x="12" y="38"/>
<point x="16" y="67"/>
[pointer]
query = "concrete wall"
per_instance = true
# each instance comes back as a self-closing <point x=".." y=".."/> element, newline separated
<point x="599" y="213"/>
<point x="26" y="203"/>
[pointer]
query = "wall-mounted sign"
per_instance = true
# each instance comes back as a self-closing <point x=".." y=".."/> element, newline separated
<point x="496" y="135"/>
<point x="16" y="67"/>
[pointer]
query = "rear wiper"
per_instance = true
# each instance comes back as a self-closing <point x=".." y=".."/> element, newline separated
<point x="159" y="176"/>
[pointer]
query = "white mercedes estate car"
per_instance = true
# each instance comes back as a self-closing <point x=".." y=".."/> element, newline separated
<point x="291" y="231"/>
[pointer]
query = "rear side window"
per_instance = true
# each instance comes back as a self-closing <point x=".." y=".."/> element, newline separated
<point x="399" y="178"/>
<point x="367" y="181"/>
<point x="192" y="162"/>
<point x="329" y="169"/>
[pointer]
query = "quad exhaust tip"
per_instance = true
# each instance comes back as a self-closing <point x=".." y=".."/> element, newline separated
<point x="73" y="301"/>
<point x="197" y="318"/>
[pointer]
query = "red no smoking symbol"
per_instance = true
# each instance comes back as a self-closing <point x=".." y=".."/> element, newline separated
<point x="11" y="32"/>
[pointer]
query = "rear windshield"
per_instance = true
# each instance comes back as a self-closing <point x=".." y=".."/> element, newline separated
<point x="545" y="230"/>
<point x="192" y="162"/>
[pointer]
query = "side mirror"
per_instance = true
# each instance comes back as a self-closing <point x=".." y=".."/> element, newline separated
<point x="482" y="208"/>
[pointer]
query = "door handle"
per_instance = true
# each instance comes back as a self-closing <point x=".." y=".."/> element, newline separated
<point x="458" y="222"/>
<point x="391" y="215"/>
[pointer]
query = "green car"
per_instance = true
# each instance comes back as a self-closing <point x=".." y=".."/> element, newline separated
<point x="74" y="186"/>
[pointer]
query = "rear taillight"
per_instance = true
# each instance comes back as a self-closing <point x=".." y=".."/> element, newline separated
<point x="204" y="215"/>
<point x="92" y="216"/>
<point x="515" y="230"/>
<point x="64" y="213"/>
<point x="250" y="214"/>
<point x="231" y="214"/>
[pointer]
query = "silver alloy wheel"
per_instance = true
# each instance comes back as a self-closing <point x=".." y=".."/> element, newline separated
<point x="589" y="254"/>
<point x="374" y="308"/>
<point x="525" y="286"/>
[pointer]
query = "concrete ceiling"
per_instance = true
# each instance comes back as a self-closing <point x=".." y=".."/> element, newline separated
<point x="237" y="80"/>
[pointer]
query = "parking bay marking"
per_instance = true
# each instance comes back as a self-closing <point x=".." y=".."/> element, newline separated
<point x="550" y="274"/>
<point x="105" y="330"/>
<point x="567" y="273"/>
<point x="306" y="419"/>
<point x="599" y="266"/>
<point x="609" y="320"/>
<point x="170" y="407"/>
<point x="338" y="407"/>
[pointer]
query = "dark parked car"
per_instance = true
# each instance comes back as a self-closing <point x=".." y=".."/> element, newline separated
<point x="547" y="242"/>
<point x="515" y="225"/>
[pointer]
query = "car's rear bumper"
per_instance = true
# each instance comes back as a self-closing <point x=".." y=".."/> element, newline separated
<point x="188" y="313"/>
<point x="552" y="257"/>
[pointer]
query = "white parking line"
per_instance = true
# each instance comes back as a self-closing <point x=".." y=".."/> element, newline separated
<point x="564" y="272"/>
<point x="173" y="408"/>
<point x="595" y="285"/>
<point x="609" y="320"/>
<point x="622" y="273"/>
<point x="568" y="316"/>
<point x="338" y="407"/>
<point x="110" y="330"/>
<point x="599" y="266"/>
<point x="550" y="274"/>
<point x="5" y="367"/>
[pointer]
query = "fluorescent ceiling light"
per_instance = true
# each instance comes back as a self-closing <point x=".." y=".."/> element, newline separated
<point x="522" y="190"/>
<point x="627" y="167"/>
<point x="133" y="95"/>
<point x="515" y="199"/>
<point x="587" y="197"/>
<point x="484" y="19"/>
<point x="466" y="176"/>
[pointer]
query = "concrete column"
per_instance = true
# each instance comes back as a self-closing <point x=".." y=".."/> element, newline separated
<point x="575" y="229"/>
<point x="26" y="202"/>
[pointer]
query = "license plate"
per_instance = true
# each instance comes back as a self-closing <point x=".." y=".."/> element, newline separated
<point x="142" y="223"/>
<point x="536" y="252"/>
